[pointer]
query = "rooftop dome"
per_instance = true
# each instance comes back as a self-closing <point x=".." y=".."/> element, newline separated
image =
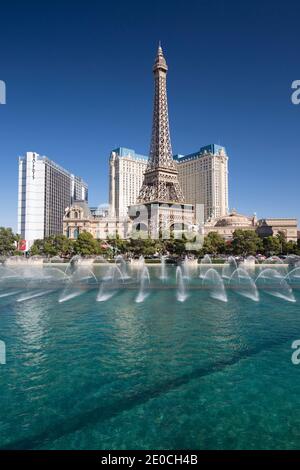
<point x="233" y="219"/>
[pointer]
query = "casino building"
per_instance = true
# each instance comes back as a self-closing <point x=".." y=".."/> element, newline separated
<point x="174" y="184"/>
<point x="45" y="190"/>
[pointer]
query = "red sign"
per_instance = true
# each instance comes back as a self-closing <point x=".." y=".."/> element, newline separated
<point x="105" y="246"/>
<point x="22" y="245"/>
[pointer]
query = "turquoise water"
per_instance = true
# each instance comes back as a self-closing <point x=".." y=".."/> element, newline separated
<point x="161" y="374"/>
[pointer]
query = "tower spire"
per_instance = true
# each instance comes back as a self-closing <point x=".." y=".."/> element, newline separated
<point x="161" y="176"/>
<point x="160" y="61"/>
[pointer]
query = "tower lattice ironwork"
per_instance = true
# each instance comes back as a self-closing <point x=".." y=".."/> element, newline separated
<point x="161" y="182"/>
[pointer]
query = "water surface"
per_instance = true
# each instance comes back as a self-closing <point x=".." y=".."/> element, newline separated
<point x="159" y="374"/>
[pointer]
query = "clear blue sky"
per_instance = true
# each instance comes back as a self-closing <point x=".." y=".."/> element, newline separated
<point x="79" y="83"/>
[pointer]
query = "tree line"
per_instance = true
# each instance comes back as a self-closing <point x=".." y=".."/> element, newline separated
<point x="243" y="243"/>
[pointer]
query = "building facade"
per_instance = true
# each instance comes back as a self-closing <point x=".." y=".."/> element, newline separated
<point x="203" y="176"/>
<point x="272" y="227"/>
<point x="225" y="226"/>
<point x="126" y="173"/>
<point x="80" y="218"/>
<point x="45" y="190"/>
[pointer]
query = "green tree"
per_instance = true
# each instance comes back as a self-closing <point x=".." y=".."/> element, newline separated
<point x="55" y="245"/>
<point x="8" y="242"/>
<point x="213" y="244"/>
<point x="49" y="248"/>
<point x="291" y="248"/>
<point x="175" y="246"/>
<point x="118" y="244"/>
<point x="62" y="245"/>
<point x="86" y="244"/>
<point x="37" y="248"/>
<point x="283" y="242"/>
<point x="272" y="246"/>
<point x="246" y="242"/>
<point x="146" y="246"/>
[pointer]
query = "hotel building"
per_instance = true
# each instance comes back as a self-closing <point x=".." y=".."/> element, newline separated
<point x="126" y="173"/>
<point x="203" y="177"/>
<point x="174" y="185"/>
<point x="45" y="190"/>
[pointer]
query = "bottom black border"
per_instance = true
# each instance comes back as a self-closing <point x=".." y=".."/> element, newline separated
<point x="105" y="458"/>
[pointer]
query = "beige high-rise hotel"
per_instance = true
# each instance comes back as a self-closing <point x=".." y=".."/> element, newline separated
<point x="126" y="173"/>
<point x="203" y="178"/>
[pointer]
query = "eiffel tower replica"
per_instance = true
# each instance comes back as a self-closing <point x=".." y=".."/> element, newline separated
<point x="161" y="193"/>
<point x="161" y="177"/>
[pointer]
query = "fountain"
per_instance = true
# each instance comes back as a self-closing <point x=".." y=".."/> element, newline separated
<point x="121" y="263"/>
<point x="9" y="294"/>
<point x="33" y="294"/>
<point x="229" y="267"/>
<point x="110" y="284"/>
<point x="140" y="267"/>
<point x="113" y="273"/>
<point x="87" y="261"/>
<point x="144" y="285"/>
<point x="273" y="260"/>
<point x="81" y="279"/>
<point x="181" y="289"/>
<point x="244" y="285"/>
<point x="56" y="260"/>
<point x="249" y="263"/>
<point x="23" y="281"/>
<point x="294" y="276"/>
<point x="14" y="260"/>
<point x="215" y="284"/>
<point x="49" y="278"/>
<point x="186" y="268"/>
<point x="273" y="283"/>
<point x="100" y="260"/>
<point x="141" y="261"/>
<point x="163" y="272"/>
<point x="293" y="261"/>
<point x="6" y="273"/>
<point x="73" y="264"/>
<point x="205" y="265"/>
<point x="10" y="282"/>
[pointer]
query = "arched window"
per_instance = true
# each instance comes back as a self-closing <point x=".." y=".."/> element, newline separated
<point x="76" y="232"/>
<point x="68" y="232"/>
<point x="75" y="215"/>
